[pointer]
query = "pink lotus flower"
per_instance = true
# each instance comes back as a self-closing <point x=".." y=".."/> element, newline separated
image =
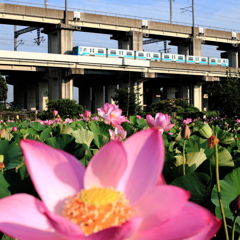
<point x="187" y="121"/>
<point x="87" y="114"/>
<point x="55" y="113"/>
<point x="14" y="129"/>
<point x="238" y="120"/>
<point x="117" y="134"/>
<point x="138" y="116"/>
<point x="115" y="198"/>
<point x="112" y="115"/>
<point x="161" y="121"/>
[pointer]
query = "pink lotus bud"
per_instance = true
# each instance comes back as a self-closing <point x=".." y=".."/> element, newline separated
<point x="138" y="116"/>
<point x="235" y="206"/>
<point x="14" y="129"/>
<point x="87" y="114"/>
<point x="186" y="132"/>
<point x="55" y="113"/>
<point x="2" y="133"/>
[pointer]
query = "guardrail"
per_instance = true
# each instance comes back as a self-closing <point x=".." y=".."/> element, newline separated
<point x="115" y="15"/>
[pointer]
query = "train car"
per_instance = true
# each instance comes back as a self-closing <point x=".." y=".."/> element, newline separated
<point x="219" y="62"/>
<point x="142" y="55"/>
<point x="177" y="58"/>
<point x="115" y="53"/>
<point x="89" y="51"/>
<point x="197" y="60"/>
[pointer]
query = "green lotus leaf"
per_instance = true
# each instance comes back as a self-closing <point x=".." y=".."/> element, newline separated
<point x="100" y="128"/>
<point x="224" y="136"/>
<point x="12" y="154"/>
<point x="65" y="142"/>
<point x="37" y="126"/>
<point x="65" y="129"/>
<point x="224" y="158"/>
<point x="83" y="136"/>
<point x="193" y="160"/>
<point x="199" y="184"/>
<point x="230" y="189"/>
<point x="206" y="131"/>
<point x="100" y="140"/>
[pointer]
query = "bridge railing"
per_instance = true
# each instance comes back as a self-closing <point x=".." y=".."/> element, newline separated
<point x="115" y="15"/>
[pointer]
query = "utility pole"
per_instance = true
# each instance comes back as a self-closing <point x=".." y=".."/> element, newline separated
<point x="171" y="14"/>
<point x="65" y="12"/>
<point x="15" y="38"/>
<point x="193" y="31"/>
<point x="193" y="25"/>
<point x="46" y="3"/>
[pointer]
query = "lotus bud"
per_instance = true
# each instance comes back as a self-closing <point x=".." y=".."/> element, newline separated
<point x="2" y="133"/>
<point x="206" y="131"/>
<point x="185" y="133"/>
<point x="235" y="206"/>
<point x="14" y="129"/>
<point x="55" y="113"/>
<point x="17" y="117"/>
<point x="87" y="114"/>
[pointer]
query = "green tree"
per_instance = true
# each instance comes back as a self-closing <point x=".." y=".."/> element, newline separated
<point x="225" y="95"/>
<point x="3" y="89"/>
<point x="127" y="101"/>
<point x="66" y="108"/>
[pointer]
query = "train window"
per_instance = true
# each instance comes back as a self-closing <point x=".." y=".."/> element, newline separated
<point x="129" y="53"/>
<point x="190" y="58"/>
<point x="74" y="50"/>
<point x="166" y="56"/>
<point x="140" y="54"/>
<point x="113" y="52"/>
<point x="180" y="57"/>
<point x="100" y="51"/>
<point x="155" y="55"/>
<point x="213" y="60"/>
<point x="84" y="49"/>
<point x="204" y="59"/>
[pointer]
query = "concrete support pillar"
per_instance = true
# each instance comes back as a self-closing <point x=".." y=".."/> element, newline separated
<point x="130" y="40"/>
<point x="42" y="95"/>
<point x="85" y="96"/>
<point x="198" y="97"/>
<point x="31" y="96"/>
<point x="54" y="85"/>
<point x="156" y="94"/>
<point x="196" y="47"/>
<point x="67" y="89"/>
<point x="170" y="92"/>
<point x="232" y="55"/>
<point x="109" y="93"/>
<point x="138" y="88"/>
<point x="20" y="96"/>
<point x="137" y="41"/>
<point x="183" y="49"/>
<point x="60" y="41"/>
<point x="98" y="97"/>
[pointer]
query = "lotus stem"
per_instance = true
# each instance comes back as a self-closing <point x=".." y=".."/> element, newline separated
<point x="184" y="157"/>
<point x="219" y="193"/>
<point x="234" y="226"/>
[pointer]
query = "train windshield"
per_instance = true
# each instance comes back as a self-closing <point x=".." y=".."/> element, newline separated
<point x="75" y="50"/>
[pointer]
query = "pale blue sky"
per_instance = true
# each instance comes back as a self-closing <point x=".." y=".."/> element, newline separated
<point x="214" y="13"/>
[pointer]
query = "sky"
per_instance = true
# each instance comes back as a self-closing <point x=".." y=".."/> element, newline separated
<point x="217" y="14"/>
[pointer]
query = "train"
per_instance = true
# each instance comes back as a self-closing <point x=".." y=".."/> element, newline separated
<point x="150" y="56"/>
